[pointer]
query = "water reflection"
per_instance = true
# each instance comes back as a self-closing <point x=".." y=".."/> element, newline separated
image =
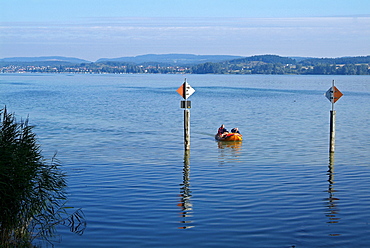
<point x="229" y="151"/>
<point x="185" y="194"/>
<point x="332" y="200"/>
<point x="76" y="222"/>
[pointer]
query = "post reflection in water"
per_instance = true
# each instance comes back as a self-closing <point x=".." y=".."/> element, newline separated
<point x="229" y="151"/>
<point x="332" y="200"/>
<point x="185" y="194"/>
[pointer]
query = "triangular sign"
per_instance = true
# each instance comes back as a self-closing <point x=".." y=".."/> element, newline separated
<point x="180" y="90"/>
<point x="337" y="94"/>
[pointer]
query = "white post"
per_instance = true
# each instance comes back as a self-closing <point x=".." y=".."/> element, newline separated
<point x="332" y="131"/>
<point x="332" y="122"/>
<point x="187" y="129"/>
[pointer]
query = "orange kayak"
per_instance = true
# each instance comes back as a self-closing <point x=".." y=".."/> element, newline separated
<point x="230" y="137"/>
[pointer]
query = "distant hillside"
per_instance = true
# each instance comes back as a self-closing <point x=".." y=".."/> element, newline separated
<point x="54" y="59"/>
<point x="192" y="64"/>
<point x="273" y="59"/>
<point x="339" y="61"/>
<point x="299" y="59"/>
<point x="177" y="59"/>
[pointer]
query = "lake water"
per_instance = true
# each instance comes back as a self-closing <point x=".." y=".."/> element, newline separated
<point x="120" y="140"/>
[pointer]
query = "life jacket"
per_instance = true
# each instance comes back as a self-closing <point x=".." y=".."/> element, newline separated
<point x="221" y="130"/>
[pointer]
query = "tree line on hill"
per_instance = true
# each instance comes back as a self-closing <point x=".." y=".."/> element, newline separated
<point x="259" y="64"/>
<point x="273" y="64"/>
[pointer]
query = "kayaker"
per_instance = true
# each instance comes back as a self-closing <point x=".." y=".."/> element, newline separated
<point x="222" y="131"/>
<point x="235" y="130"/>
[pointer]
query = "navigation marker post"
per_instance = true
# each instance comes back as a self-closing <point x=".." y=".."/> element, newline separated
<point x="333" y="94"/>
<point x="185" y="90"/>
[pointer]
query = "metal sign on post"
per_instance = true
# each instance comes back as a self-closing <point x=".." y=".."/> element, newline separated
<point x="333" y="94"/>
<point x="185" y="90"/>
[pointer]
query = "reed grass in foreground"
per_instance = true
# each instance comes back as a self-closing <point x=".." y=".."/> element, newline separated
<point x="32" y="191"/>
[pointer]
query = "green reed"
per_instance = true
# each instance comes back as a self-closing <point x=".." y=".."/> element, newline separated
<point x="32" y="191"/>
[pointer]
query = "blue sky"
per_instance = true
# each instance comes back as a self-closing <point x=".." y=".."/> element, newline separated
<point x="91" y="29"/>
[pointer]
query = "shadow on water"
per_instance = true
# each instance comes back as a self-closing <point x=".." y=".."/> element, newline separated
<point x="229" y="151"/>
<point x="332" y="201"/>
<point x="185" y="194"/>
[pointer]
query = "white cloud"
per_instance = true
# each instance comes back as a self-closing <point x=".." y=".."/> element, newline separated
<point x="324" y="37"/>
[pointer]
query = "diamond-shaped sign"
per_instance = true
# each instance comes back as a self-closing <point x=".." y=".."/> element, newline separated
<point x="333" y="94"/>
<point x="185" y="90"/>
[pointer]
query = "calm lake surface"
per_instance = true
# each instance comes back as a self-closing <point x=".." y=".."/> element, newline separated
<point x="120" y="141"/>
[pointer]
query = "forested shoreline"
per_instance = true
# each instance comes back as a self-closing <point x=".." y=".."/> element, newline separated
<point x="259" y="64"/>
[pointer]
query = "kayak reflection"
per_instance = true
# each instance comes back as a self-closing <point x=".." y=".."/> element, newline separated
<point x="229" y="151"/>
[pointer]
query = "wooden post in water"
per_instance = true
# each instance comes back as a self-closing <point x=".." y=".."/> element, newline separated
<point x="333" y="94"/>
<point x="332" y="131"/>
<point x="332" y="123"/>
<point x="187" y="129"/>
<point x="185" y="90"/>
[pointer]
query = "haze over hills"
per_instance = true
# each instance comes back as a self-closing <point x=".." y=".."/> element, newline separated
<point x="179" y="59"/>
<point x="45" y="58"/>
<point x="185" y="59"/>
<point x="171" y="59"/>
